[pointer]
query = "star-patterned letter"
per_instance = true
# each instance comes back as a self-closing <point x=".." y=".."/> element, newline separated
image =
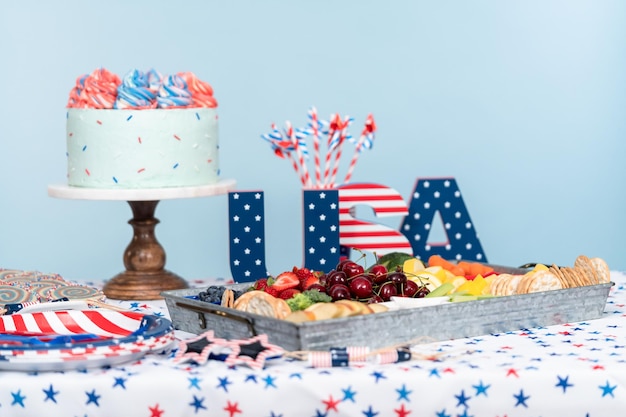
<point x="247" y="235"/>
<point x="321" y="229"/>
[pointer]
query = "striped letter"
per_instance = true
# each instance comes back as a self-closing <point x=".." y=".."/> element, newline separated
<point x="366" y="236"/>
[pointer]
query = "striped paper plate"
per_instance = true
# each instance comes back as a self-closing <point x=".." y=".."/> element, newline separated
<point x="78" y="339"/>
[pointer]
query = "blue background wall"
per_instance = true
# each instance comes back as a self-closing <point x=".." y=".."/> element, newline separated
<point x="522" y="101"/>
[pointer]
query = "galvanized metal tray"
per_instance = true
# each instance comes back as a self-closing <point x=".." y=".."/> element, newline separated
<point x="433" y="323"/>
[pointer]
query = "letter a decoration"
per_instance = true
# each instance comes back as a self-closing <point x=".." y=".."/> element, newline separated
<point x="441" y="195"/>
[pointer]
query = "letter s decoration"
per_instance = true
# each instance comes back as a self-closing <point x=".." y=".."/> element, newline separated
<point x="366" y="236"/>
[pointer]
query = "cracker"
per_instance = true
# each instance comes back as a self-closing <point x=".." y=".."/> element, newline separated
<point x="601" y="268"/>
<point x="494" y="284"/>
<point x="504" y="280"/>
<point x="585" y="276"/>
<point x="511" y="284"/>
<point x="556" y="271"/>
<point x="263" y="304"/>
<point x="585" y="264"/>
<point x="499" y="289"/>
<point x="228" y="298"/>
<point x="572" y="277"/>
<point x="522" y="285"/>
<point x="544" y="281"/>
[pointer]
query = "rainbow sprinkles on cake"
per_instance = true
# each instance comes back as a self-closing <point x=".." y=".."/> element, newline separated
<point x="145" y="130"/>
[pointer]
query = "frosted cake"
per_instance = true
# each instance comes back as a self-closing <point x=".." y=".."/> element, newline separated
<point x="143" y="131"/>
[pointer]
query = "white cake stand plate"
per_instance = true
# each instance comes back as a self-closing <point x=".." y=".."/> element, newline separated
<point x="145" y="276"/>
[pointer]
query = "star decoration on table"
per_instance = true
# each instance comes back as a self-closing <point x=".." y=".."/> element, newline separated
<point x="199" y="349"/>
<point x="252" y="352"/>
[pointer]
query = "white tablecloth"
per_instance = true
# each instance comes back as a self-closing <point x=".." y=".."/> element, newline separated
<point x="576" y="369"/>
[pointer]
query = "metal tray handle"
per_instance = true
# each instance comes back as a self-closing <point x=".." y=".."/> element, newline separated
<point x="248" y="321"/>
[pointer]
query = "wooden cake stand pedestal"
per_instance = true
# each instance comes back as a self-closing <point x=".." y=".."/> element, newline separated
<point x="145" y="276"/>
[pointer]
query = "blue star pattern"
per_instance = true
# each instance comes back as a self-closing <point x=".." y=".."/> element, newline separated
<point x="198" y="404"/>
<point x="321" y="229"/>
<point x="573" y="368"/>
<point x="247" y="235"/>
<point x="481" y="389"/>
<point x="18" y="398"/>
<point x="563" y="383"/>
<point x="92" y="398"/>
<point x="521" y="399"/>
<point x="50" y="394"/>
<point x="607" y="389"/>
<point x="120" y="382"/>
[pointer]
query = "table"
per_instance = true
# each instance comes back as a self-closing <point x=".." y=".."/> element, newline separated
<point x="145" y="276"/>
<point x="576" y="369"/>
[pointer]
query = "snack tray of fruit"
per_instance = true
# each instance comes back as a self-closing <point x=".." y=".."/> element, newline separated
<point x="429" y="323"/>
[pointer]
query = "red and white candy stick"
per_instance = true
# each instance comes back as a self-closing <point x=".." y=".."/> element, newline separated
<point x="314" y="123"/>
<point x="343" y="135"/>
<point x="300" y="152"/>
<point x="334" y="130"/>
<point x="366" y="141"/>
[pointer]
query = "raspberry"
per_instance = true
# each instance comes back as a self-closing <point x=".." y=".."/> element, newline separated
<point x="301" y="273"/>
<point x="288" y="293"/>
<point x="272" y="291"/>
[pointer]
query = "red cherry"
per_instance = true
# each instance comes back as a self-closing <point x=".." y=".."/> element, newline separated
<point x="409" y="288"/>
<point x="397" y="278"/>
<point x="361" y="287"/>
<point x="352" y="269"/>
<point x="342" y="263"/>
<point x="388" y="290"/>
<point x="369" y="276"/>
<point x="339" y="292"/>
<point x="317" y="287"/>
<point x="422" y="292"/>
<point x="379" y="269"/>
<point x="336" y="277"/>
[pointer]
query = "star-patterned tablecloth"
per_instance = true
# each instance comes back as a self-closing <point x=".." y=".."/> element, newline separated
<point x="570" y="370"/>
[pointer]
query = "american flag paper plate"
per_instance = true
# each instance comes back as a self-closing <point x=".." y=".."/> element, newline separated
<point x="79" y="339"/>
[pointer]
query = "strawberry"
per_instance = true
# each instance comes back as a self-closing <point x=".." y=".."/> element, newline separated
<point x="308" y="281"/>
<point x="288" y="293"/>
<point x="285" y="280"/>
<point x="304" y="275"/>
<point x="260" y="284"/>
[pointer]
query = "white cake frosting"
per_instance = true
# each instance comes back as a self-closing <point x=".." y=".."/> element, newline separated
<point x="148" y="148"/>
